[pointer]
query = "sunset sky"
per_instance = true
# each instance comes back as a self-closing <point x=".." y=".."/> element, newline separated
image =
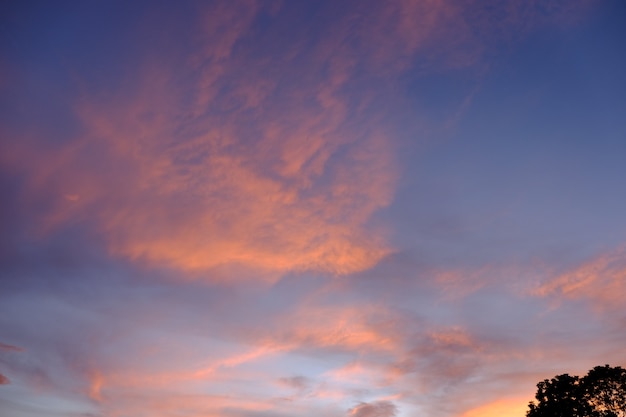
<point x="299" y="208"/>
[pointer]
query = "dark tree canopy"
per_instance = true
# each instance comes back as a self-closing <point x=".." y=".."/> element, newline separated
<point x="600" y="393"/>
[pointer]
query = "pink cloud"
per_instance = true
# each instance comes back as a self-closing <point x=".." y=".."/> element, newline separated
<point x="601" y="280"/>
<point x="177" y="185"/>
<point x="4" y="380"/>
<point x="247" y="165"/>
<point x="344" y="328"/>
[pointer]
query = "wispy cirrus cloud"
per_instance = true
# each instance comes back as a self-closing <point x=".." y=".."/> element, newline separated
<point x="600" y="280"/>
<point x="210" y="173"/>
<point x="233" y="159"/>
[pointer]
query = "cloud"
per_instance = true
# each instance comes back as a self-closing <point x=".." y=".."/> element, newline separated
<point x="211" y="175"/>
<point x="296" y="382"/>
<point x="441" y="358"/>
<point x="459" y="283"/>
<point x="10" y="348"/>
<point x="350" y="328"/>
<point x="374" y="409"/>
<point x="96" y="382"/>
<point x="601" y="280"/>
<point x="199" y="359"/>
<point x="237" y="216"/>
<point x="256" y="149"/>
<point x="249" y="153"/>
<point x="451" y="34"/>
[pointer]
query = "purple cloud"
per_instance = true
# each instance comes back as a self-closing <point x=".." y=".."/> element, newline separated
<point x="374" y="409"/>
<point x="4" y="380"/>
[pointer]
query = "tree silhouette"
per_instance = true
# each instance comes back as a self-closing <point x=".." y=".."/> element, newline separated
<point x="605" y="390"/>
<point x="600" y="393"/>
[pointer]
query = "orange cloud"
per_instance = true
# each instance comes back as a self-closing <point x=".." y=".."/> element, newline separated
<point x="208" y="370"/>
<point x="172" y="404"/>
<point x="601" y="280"/>
<point x="185" y="384"/>
<point x="231" y="161"/>
<point x="182" y="184"/>
<point x="352" y="328"/>
<point x="193" y="370"/>
<point x="95" y="385"/>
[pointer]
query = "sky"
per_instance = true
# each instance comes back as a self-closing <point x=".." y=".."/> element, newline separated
<point x="240" y="208"/>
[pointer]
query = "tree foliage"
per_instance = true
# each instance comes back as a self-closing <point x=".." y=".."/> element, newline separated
<point x="600" y="393"/>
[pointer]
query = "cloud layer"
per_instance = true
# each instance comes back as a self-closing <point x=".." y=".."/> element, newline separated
<point x="273" y="208"/>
